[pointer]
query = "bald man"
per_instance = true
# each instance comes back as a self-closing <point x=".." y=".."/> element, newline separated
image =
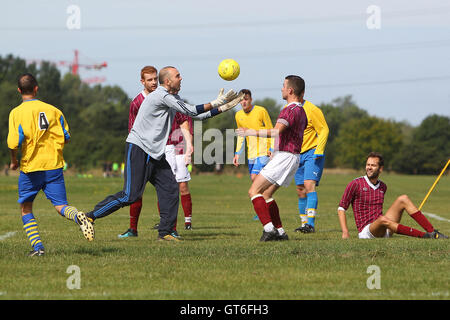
<point x="144" y="152"/>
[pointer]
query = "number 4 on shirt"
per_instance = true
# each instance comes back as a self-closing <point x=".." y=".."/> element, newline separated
<point x="43" y="122"/>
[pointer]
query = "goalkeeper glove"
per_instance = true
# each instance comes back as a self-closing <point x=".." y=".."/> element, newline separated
<point x="223" y="98"/>
<point x="233" y="103"/>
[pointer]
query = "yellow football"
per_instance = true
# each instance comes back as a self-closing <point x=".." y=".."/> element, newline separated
<point x="229" y="69"/>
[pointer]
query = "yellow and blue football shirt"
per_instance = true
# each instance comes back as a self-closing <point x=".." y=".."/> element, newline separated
<point x="40" y="131"/>
<point x="257" y="118"/>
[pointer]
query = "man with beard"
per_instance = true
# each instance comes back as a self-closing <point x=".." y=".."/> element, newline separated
<point x="366" y="195"/>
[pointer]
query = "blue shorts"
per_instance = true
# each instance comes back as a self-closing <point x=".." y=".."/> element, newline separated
<point x="51" y="182"/>
<point x="256" y="165"/>
<point x="309" y="169"/>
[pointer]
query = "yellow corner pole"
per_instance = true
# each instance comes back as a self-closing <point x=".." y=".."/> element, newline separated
<point x="434" y="184"/>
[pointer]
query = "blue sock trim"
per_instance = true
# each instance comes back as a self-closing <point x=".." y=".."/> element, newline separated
<point x="26" y="218"/>
<point x="62" y="210"/>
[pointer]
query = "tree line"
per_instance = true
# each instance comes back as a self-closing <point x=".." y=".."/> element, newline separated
<point x="98" y="120"/>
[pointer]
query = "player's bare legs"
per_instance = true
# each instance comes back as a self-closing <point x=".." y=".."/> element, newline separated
<point x="259" y="185"/>
<point x="266" y="208"/>
<point x="26" y="208"/>
<point x="391" y="220"/>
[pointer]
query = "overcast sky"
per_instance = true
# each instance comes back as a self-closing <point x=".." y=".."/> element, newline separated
<point x="395" y="67"/>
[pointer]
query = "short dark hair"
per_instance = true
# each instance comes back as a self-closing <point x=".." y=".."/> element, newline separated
<point x="26" y="83"/>
<point x="246" y="91"/>
<point x="378" y="155"/>
<point x="297" y="84"/>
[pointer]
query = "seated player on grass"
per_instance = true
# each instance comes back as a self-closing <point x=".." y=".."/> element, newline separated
<point x="366" y="195"/>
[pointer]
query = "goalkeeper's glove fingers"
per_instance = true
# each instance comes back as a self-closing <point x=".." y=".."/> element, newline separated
<point x="233" y="103"/>
<point x="223" y="98"/>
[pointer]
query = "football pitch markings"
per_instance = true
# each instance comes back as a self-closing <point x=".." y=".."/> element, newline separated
<point x="435" y="216"/>
<point x="7" y="235"/>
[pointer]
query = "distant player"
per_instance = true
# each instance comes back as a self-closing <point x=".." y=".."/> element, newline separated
<point x="280" y="170"/>
<point x="366" y="195"/>
<point x="258" y="149"/>
<point x="312" y="160"/>
<point x="149" y="80"/>
<point x="40" y="131"/>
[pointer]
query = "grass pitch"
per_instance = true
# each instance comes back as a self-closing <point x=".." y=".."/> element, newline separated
<point x="222" y="258"/>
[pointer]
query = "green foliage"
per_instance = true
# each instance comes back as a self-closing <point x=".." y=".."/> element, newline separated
<point x="429" y="149"/>
<point x="358" y="137"/>
<point x="97" y="116"/>
<point x="98" y="120"/>
<point x="337" y="113"/>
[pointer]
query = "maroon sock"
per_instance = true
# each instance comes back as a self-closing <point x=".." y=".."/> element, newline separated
<point x="422" y="221"/>
<point x="135" y="211"/>
<point x="261" y="209"/>
<point x="408" y="231"/>
<point x="186" y="203"/>
<point x="274" y="213"/>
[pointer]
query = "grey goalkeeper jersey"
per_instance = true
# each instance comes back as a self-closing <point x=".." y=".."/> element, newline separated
<point x="153" y="123"/>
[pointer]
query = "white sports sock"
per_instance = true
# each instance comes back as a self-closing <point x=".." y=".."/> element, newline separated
<point x="268" y="227"/>
<point x="281" y="231"/>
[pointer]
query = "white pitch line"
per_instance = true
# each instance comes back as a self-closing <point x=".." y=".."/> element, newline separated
<point x="435" y="216"/>
<point x="7" y="235"/>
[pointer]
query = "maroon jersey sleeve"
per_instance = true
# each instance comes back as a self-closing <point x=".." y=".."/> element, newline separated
<point x="349" y="195"/>
<point x="134" y="108"/>
<point x="285" y="117"/>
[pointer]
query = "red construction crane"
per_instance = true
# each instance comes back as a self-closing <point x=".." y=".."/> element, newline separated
<point x="75" y="65"/>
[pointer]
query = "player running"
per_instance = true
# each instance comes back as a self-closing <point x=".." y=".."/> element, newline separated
<point x="280" y="170"/>
<point x="312" y="160"/>
<point x="366" y="195"/>
<point x="40" y="131"/>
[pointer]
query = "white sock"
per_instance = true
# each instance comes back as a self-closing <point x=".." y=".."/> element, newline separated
<point x="281" y="231"/>
<point x="268" y="227"/>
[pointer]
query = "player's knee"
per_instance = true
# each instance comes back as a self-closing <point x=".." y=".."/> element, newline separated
<point x="310" y="186"/>
<point x="403" y="199"/>
<point x="301" y="191"/>
<point x="384" y="221"/>
<point x="184" y="188"/>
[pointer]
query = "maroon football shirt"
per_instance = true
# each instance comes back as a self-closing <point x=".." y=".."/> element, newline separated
<point x="366" y="200"/>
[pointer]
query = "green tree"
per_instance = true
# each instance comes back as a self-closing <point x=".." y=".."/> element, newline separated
<point x="337" y="114"/>
<point x="429" y="149"/>
<point x="358" y="137"/>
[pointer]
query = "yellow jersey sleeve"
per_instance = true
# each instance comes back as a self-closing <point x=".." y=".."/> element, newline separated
<point x="268" y="125"/>
<point x="14" y="134"/>
<point x="240" y="140"/>
<point x="316" y="131"/>
<point x="256" y="119"/>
